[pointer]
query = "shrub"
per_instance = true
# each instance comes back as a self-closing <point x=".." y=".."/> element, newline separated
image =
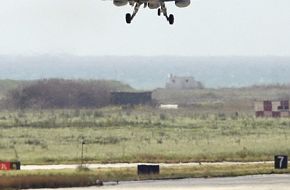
<point x="60" y="93"/>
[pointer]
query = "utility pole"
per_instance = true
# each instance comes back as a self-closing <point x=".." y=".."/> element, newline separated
<point x="82" y="155"/>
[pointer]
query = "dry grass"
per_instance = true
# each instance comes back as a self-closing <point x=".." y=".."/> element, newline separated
<point x="141" y="134"/>
<point x="25" y="182"/>
<point x="74" y="178"/>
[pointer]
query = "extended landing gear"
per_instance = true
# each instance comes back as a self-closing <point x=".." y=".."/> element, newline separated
<point x="130" y="17"/>
<point x="163" y="10"/>
<point x="160" y="10"/>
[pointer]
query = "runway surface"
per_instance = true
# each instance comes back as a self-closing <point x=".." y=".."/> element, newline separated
<point x="259" y="182"/>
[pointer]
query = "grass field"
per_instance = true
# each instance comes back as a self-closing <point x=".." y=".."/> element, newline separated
<point x="223" y="99"/>
<point x="140" y="134"/>
<point x="73" y="178"/>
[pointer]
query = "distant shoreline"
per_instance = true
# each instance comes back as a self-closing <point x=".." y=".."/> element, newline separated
<point x="148" y="73"/>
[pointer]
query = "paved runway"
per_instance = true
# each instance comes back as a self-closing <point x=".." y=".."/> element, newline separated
<point x="259" y="182"/>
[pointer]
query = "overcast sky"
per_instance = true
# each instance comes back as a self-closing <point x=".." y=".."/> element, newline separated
<point x="96" y="27"/>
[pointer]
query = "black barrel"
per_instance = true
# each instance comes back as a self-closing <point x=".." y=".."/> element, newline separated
<point x="148" y="169"/>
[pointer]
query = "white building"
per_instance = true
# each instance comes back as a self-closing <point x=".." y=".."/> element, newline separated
<point x="185" y="82"/>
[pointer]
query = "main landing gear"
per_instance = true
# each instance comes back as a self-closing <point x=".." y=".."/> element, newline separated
<point x="160" y="10"/>
<point x="130" y="17"/>
<point x="163" y="10"/>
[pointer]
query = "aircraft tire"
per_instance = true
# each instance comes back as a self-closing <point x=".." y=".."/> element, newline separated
<point x="128" y="18"/>
<point x="171" y="19"/>
<point x="159" y="12"/>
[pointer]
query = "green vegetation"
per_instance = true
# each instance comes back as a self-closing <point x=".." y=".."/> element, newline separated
<point x="70" y="177"/>
<point x="7" y="85"/>
<point x="60" y="93"/>
<point x="140" y="134"/>
<point x="211" y="125"/>
<point x="226" y="100"/>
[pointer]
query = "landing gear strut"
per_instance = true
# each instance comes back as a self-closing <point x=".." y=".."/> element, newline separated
<point x="163" y="10"/>
<point x="160" y="10"/>
<point x="130" y="17"/>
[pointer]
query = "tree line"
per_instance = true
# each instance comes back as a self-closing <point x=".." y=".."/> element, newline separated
<point x="62" y="93"/>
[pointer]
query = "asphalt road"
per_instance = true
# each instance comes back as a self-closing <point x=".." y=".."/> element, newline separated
<point x="259" y="182"/>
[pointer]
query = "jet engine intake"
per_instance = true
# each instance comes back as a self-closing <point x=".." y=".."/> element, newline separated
<point x="182" y="3"/>
<point x="119" y="3"/>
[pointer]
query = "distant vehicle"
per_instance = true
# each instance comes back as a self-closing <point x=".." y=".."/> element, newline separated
<point x="152" y="4"/>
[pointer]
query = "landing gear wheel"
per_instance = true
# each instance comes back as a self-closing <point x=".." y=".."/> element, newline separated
<point x="128" y="18"/>
<point x="171" y="19"/>
<point x="159" y="12"/>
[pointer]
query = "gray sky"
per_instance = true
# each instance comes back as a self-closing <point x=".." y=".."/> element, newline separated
<point x="95" y="27"/>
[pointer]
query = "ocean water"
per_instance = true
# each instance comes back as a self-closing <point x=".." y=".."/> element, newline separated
<point x="150" y="72"/>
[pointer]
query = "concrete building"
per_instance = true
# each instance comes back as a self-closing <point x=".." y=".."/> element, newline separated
<point x="182" y="82"/>
<point x="272" y="108"/>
